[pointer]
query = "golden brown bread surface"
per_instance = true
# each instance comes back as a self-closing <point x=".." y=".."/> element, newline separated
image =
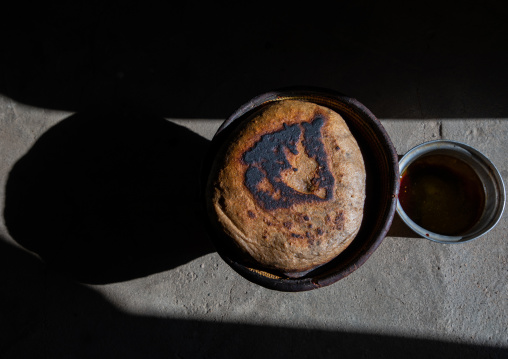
<point x="289" y="186"/>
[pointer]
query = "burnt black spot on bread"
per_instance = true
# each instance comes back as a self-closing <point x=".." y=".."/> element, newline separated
<point x="251" y="214"/>
<point x="339" y="221"/>
<point x="288" y="225"/>
<point x="306" y="217"/>
<point x="294" y="235"/>
<point x="319" y="231"/>
<point x="267" y="159"/>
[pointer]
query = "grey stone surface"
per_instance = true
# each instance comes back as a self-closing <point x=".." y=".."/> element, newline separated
<point x="412" y="297"/>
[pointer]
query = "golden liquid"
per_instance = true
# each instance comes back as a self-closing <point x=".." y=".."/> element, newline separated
<point x="442" y="194"/>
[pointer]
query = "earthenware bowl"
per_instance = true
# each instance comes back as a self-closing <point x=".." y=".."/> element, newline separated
<point x="382" y="173"/>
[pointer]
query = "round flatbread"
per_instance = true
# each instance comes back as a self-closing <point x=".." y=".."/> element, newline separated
<point x="288" y="187"/>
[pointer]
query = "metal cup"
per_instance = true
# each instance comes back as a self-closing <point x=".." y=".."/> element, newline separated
<point x="488" y="174"/>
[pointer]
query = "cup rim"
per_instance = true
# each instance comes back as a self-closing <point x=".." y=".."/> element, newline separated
<point x="431" y="146"/>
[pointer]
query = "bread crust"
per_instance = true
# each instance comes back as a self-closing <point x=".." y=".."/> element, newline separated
<point x="288" y="187"/>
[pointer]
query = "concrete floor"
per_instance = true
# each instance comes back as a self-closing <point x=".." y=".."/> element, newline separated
<point x="103" y="253"/>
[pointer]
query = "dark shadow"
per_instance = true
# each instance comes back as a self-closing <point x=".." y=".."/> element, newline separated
<point x="47" y="315"/>
<point x="400" y="229"/>
<point x="414" y="60"/>
<point x="109" y="195"/>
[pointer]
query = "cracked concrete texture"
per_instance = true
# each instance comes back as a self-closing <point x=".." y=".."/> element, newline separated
<point x="409" y="288"/>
